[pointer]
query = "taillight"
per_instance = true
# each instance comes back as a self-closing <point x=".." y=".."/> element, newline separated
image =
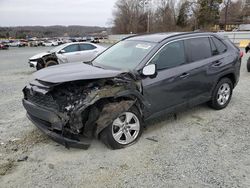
<point x="241" y="54"/>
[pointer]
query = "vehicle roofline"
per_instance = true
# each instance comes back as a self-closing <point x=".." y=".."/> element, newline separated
<point x="170" y="36"/>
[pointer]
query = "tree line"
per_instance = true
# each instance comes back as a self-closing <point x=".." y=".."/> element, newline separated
<point x="22" y="32"/>
<point x="140" y="16"/>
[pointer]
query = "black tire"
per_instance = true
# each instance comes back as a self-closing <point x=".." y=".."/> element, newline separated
<point x="214" y="101"/>
<point x="39" y="66"/>
<point x="108" y="139"/>
<point x="50" y="63"/>
<point x="248" y="64"/>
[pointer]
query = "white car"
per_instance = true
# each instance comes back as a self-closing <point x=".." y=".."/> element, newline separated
<point x="50" y="43"/>
<point x="66" y="53"/>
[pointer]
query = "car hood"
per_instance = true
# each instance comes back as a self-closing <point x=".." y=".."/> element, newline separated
<point x="73" y="72"/>
<point x="38" y="56"/>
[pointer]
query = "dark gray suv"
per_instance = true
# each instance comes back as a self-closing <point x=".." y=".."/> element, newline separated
<point x="137" y="79"/>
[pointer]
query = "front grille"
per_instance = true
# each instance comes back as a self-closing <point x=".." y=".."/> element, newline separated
<point x="42" y="100"/>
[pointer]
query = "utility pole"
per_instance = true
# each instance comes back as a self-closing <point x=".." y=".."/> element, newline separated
<point x="146" y="7"/>
<point x="148" y="28"/>
<point x="226" y="13"/>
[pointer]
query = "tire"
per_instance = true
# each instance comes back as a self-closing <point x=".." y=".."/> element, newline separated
<point x="222" y="94"/>
<point x="248" y="64"/>
<point x="50" y="63"/>
<point x="107" y="135"/>
<point x="39" y="66"/>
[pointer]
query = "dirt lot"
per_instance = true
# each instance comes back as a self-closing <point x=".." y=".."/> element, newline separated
<point x="202" y="148"/>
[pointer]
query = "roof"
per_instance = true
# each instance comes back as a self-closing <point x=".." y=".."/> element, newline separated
<point x="159" y="37"/>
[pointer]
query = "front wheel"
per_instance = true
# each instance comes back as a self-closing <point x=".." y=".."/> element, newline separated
<point x="39" y="66"/>
<point x="50" y="63"/>
<point x="124" y="131"/>
<point x="222" y="94"/>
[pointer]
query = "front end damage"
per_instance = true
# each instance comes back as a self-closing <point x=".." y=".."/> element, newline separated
<point x="73" y="113"/>
<point x="40" y="60"/>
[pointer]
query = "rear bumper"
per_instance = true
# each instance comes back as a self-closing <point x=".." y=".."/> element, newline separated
<point x="50" y="124"/>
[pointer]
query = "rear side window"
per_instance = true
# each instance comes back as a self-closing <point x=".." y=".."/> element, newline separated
<point x="198" y="48"/>
<point x="221" y="47"/>
<point x="84" y="47"/>
<point x="171" y="55"/>
<point x="71" y="48"/>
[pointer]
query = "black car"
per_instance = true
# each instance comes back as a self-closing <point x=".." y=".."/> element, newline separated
<point x="248" y="61"/>
<point x="137" y="79"/>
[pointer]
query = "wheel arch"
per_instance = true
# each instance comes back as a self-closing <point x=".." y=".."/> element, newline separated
<point x="122" y="101"/>
<point x="231" y="76"/>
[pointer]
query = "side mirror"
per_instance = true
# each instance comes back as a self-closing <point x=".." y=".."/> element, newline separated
<point x="62" y="51"/>
<point x="149" y="70"/>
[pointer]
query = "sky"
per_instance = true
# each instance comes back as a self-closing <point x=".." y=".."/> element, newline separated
<point x="55" y="12"/>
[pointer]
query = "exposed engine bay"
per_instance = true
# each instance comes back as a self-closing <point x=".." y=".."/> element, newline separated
<point x="83" y="108"/>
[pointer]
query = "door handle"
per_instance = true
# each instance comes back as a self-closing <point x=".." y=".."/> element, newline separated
<point x="184" y="75"/>
<point x="217" y="63"/>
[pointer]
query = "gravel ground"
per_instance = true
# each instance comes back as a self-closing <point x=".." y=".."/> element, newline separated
<point x="201" y="148"/>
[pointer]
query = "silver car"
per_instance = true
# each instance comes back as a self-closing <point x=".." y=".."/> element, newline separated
<point x="66" y="53"/>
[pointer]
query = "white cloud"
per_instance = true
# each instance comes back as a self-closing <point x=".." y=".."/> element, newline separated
<point x="55" y="12"/>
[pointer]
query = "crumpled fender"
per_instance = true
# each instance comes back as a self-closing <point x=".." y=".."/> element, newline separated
<point x="110" y="112"/>
<point x="135" y="93"/>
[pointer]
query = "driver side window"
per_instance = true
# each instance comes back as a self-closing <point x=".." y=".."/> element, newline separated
<point x="71" y="48"/>
<point x="171" y="55"/>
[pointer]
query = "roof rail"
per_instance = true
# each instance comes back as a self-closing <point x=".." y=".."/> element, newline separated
<point x="169" y="36"/>
<point x="185" y="33"/>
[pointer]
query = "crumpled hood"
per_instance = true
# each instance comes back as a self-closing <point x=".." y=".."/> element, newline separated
<point x="40" y="55"/>
<point x="73" y="72"/>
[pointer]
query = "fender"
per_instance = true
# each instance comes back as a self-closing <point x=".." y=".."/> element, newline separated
<point x="135" y="93"/>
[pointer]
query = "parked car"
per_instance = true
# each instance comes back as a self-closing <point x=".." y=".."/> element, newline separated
<point x="66" y="53"/>
<point x="50" y="43"/>
<point x="16" y="44"/>
<point x="95" y="40"/>
<point x="248" y="61"/>
<point x="4" y="46"/>
<point x="137" y="79"/>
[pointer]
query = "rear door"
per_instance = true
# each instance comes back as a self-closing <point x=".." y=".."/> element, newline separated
<point x="88" y="52"/>
<point x="200" y="61"/>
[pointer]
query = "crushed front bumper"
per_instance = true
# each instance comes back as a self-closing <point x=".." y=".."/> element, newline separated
<point x="51" y="124"/>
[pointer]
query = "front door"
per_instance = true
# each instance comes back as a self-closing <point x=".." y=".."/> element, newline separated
<point x="71" y="54"/>
<point x="169" y="86"/>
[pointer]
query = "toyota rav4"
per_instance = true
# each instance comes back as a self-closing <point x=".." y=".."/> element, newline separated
<point x="137" y="79"/>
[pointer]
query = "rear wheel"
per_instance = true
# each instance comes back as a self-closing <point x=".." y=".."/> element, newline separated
<point x="222" y="94"/>
<point x="124" y="131"/>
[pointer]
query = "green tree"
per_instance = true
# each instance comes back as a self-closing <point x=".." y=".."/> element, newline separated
<point x="182" y="18"/>
<point x="208" y="12"/>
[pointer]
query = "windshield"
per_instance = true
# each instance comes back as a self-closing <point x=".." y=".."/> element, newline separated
<point x="125" y="55"/>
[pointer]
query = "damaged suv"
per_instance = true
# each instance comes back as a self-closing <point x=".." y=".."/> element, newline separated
<point x="137" y="79"/>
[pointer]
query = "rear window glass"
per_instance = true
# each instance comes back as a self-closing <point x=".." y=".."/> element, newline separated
<point x="221" y="47"/>
<point x="198" y="48"/>
<point x="84" y="47"/>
